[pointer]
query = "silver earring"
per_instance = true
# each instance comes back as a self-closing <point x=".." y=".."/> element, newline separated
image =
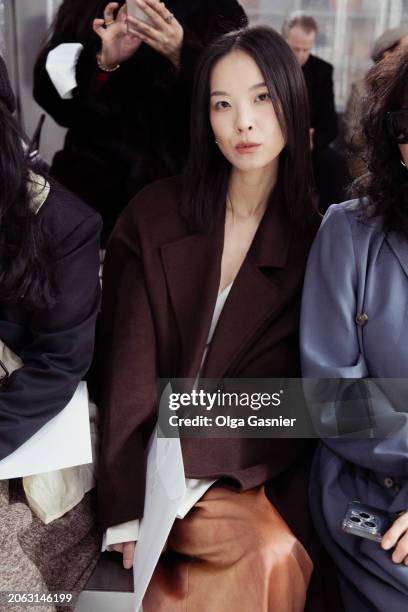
<point x="403" y="163"/>
<point x="216" y="142"/>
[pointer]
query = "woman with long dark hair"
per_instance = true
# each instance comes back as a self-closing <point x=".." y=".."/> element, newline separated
<point x="49" y="298"/>
<point x="127" y="105"/>
<point x="354" y="326"/>
<point x="203" y="278"/>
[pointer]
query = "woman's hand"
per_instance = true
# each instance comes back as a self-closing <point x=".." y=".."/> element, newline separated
<point x="397" y="536"/>
<point x="128" y="550"/>
<point x="117" y="44"/>
<point x="165" y="34"/>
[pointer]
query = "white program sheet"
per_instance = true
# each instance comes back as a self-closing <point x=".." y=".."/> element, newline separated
<point x="165" y="487"/>
<point x="63" y="442"/>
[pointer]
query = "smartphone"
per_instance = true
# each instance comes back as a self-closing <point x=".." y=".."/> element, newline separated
<point x="134" y="10"/>
<point x="367" y="522"/>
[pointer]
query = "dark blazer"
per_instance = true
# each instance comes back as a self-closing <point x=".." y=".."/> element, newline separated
<point x="135" y="128"/>
<point x="319" y="80"/>
<point x="56" y="344"/>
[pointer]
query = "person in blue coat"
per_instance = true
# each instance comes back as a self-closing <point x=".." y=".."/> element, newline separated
<point x="354" y="326"/>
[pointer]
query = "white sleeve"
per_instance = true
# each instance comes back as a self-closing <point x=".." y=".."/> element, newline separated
<point x="129" y="532"/>
<point x="195" y="489"/>
<point x="125" y="532"/>
<point x="61" y="64"/>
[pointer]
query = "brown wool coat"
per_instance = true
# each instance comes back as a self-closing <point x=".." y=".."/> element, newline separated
<point x="160" y="287"/>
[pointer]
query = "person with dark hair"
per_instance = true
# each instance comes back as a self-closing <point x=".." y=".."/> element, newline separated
<point x="300" y="31"/>
<point x="49" y="298"/>
<point x="124" y="95"/>
<point x="203" y="278"/>
<point x="390" y="41"/>
<point x="353" y="326"/>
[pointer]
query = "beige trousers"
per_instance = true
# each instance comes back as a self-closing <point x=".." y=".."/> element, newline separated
<point x="233" y="551"/>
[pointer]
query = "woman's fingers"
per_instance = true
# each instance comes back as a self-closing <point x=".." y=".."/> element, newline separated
<point x="159" y="8"/>
<point x="108" y="12"/>
<point x="391" y="537"/>
<point x="144" y="31"/>
<point x="122" y="14"/>
<point x="128" y="554"/>
<point x="98" y="27"/>
<point x="156" y="15"/>
<point x="401" y="550"/>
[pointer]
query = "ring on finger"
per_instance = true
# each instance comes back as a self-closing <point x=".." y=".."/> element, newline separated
<point x="169" y="18"/>
<point x="108" y="23"/>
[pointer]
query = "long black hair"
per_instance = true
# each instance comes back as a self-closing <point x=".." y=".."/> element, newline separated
<point x="207" y="172"/>
<point x="25" y="274"/>
<point x="383" y="190"/>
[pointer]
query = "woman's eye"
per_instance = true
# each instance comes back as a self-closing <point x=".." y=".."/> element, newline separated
<point x="222" y="105"/>
<point x="263" y="97"/>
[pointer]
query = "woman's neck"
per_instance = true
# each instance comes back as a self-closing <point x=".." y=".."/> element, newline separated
<point x="248" y="192"/>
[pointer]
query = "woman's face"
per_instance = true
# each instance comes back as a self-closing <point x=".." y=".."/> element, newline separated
<point x="242" y="116"/>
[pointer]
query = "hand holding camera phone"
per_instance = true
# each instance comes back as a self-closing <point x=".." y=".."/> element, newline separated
<point x="367" y="522"/>
<point x="156" y="26"/>
<point x="135" y="11"/>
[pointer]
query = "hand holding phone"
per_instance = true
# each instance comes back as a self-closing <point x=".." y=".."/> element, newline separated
<point x="135" y="11"/>
<point x="157" y="27"/>
<point x="117" y="44"/>
<point x="367" y="522"/>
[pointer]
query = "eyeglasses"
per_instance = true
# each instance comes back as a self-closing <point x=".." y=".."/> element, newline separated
<point x="397" y="124"/>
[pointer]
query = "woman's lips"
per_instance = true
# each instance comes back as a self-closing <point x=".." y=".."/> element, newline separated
<point x="247" y="147"/>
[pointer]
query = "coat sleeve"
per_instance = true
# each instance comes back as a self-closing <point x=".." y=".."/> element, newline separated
<point x="65" y="30"/>
<point x="356" y="411"/>
<point x="61" y="341"/>
<point x="128" y="379"/>
<point x="329" y="341"/>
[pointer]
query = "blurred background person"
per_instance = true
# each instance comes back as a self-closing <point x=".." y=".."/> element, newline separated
<point x="392" y="40"/>
<point x="300" y="31"/>
<point x="124" y="97"/>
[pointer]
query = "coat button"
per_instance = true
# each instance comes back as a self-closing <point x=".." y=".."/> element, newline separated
<point x="361" y="318"/>
<point x="388" y="482"/>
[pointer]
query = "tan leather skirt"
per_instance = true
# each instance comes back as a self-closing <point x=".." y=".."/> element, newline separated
<point x="233" y="551"/>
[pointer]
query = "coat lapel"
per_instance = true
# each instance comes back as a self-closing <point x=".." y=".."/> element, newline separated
<point x="399" y="245"/>
<point x="254" y="296"/>
<point x="193" y="267"/>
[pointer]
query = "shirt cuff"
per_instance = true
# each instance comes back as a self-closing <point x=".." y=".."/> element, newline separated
<point x="195" y="489"/>
<point x="125" y="532"/>
<point x="61" y="67"/>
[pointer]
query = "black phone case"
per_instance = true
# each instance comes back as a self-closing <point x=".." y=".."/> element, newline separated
<point x="367" y="522"/>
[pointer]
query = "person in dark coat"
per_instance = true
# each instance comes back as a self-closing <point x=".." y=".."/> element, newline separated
<point x="127" y="117"/>
<point x="49" y="299"/>
<point x="354" y="326"/>
<point x="203" y="278"/>
<point x="300" y="31"/>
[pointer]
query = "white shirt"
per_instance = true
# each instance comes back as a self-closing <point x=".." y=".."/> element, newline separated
<point x="195" y="488"/>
